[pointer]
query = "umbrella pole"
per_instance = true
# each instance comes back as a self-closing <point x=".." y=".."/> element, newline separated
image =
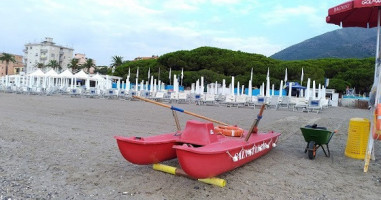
<point x="369" y="151"/>
<point x="180" y="110"/>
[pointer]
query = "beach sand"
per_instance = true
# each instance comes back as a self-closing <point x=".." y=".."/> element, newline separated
<point x="57" y="147"/>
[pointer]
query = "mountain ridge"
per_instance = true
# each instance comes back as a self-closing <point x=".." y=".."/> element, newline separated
<point x="340" y="43"/>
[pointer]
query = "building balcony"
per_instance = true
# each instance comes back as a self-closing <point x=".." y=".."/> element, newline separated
<point x="61" y="52"/>
<point x="25" y="50"/>
<point x="44" y="50"/>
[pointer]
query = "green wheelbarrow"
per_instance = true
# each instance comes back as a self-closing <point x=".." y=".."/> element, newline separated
<point x="316" y="137"/>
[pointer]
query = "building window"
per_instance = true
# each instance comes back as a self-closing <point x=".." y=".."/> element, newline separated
<point x="30" y="47"/>
<point x="53" y="55"/>
<point x="36" y="54"/>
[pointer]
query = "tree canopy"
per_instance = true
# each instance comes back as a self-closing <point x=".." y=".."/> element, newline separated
<point x="216" y="64"/>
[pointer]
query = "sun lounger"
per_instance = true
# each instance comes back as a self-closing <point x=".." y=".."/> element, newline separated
<point x="300" y="104"/>
<point x="182" y="98"/>
<point x="314" y="105"/>
<point x="91" y="93"/>
<point x="174" y="97"/>
<point x="240" y="101"/>
<point x="159" y="96"/>
<point x="260" y="102"/>
<point x="209" y="100"/>
<point x="229" y="100"/>
<point x="122" y="94"/>
<point x="286" y="102"/>
<point x="274" y="102"/>
<point x="75" y="92"/>
<point x="110" y="93"/>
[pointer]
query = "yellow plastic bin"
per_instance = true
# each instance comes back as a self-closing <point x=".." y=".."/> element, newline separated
<point x="358" y="134"/>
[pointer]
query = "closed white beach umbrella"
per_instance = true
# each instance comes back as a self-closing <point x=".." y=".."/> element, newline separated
<point x="151" y="85"/>
<point x="215" y="89"/>
<point x="136" y="85"/>
<point x="238" y="93"/>
<point x="250" y="90"/>
<point x="197" y="88"/>
<point x="272" y="92"/>
<point x="307" y="95"/>
<point x="154" y="85"/>
<point x="289" y="89"/>
<point x="202" y="85"/>
<point x="281" y="89"/>
<point x="313" y="90"/>
<point x="319" y="91"/>
<point x="223" y="86"/>
<point x="232" y="86"/>
<point x="141" y="85"/>
<point x="268" y="87"/>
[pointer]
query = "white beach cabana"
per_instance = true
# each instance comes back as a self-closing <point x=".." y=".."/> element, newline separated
<point x="38" y="74"/>
<point x="64" y="78"/>
<point x="83" y="76"/>
<point x="49" y="78"/>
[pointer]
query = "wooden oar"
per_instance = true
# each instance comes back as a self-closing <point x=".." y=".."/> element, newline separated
<point x="180" y="110"/>
<point x="180" y="172"/>
<point x="254" y="126"/>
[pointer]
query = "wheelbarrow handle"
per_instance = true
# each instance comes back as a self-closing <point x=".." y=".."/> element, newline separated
<point x="335" y="131"/>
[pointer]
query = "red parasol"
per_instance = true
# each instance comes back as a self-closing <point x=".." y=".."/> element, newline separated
<point x="355" y="13"/>
<point x="362" y="13"/>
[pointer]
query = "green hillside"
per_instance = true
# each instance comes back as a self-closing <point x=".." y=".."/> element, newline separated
<point x="216" y="64"/>
<point x="341" y="43"/>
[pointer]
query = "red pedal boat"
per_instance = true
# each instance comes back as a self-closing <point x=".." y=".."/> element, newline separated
<point x="201" y="152"/>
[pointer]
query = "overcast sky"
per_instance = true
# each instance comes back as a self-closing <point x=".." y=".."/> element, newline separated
<point x="131" y="28"/>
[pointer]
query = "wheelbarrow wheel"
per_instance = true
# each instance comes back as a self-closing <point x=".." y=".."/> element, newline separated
<point x="311" y="150"/>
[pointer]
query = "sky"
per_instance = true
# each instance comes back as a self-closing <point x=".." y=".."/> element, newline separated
<point x="102" y="29"/>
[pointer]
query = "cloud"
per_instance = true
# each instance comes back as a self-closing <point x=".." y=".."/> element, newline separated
<point x="179" y="5"/>
<point x="281" y="14"/>
<point x="259" y="45"/>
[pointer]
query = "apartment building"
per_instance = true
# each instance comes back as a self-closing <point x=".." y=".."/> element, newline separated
<point x="13" y="67"/>
<point x="146" y="58"/>
<point x="82" y="59"/>
<point x="44" y="52"/>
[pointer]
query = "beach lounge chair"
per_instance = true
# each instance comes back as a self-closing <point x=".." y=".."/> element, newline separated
<point x="240" y="101"/>
<point x="183" y="98"/>
<point x="130" y="94"/>
<point x="159" y="96"/>
<point x="229" y="100"/>
<point x="250" y="101"/>
<point x="209" y="100"/>
<point x="122" y="94"/>
<point x="260" y="101"/>
<point x="300" y="104"/>
<point x="286" y="102"/>
<point x="91" y="93"/>
<point x="174" y="97"/>
<point x="197" y="99"/>
<point x="314" y="105"/>
<point x="111" y="93"/>
<point x="274" y="102"/>
<point x="75" y="92"/>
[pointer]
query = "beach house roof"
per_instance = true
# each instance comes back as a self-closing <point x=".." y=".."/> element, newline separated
<point x="66" y="74"/>
<point x="51" y="73"/>
<point x="81" y="75"/>
<point x="38" y="72"/>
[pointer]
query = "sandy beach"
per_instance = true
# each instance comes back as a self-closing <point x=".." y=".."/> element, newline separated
<point x="58" y="147"/>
